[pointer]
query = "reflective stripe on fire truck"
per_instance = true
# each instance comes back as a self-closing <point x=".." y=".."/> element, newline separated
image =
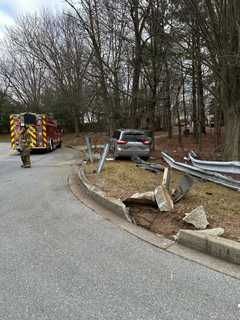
<point x="12" y="131"/>
<point x="44" y="131"/>
<point x="33" y="133"/>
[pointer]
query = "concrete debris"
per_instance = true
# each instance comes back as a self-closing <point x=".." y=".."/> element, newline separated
<point x="217" y="232"/>
<point x="198" y="218"/>
<point x="146" y="198"/>
<point x="163" y="199"/>
<point x="160" y="197"/>
<point x="182" y="189"/>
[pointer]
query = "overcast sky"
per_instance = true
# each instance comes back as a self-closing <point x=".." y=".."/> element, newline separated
<point x="9" y="9"/>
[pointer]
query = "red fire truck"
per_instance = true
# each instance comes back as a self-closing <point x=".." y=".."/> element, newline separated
<point x="44" y="130"/>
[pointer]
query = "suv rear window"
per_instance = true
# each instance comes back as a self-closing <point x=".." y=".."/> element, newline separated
<point x="133" y="137"/>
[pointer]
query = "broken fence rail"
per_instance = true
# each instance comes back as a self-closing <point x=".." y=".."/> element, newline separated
<point x="202" y="174"/>
<point x="216" y="166"/>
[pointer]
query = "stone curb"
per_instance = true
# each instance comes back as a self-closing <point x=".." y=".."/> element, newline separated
<point x="218" y="247"/>
<point x="116" y="205"/>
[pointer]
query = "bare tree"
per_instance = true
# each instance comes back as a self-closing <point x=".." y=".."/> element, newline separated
<point x="218" y="24"/>
<point x="24" y="74"/>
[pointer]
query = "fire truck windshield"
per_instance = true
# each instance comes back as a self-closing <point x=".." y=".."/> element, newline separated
<point x="29" y="118"/>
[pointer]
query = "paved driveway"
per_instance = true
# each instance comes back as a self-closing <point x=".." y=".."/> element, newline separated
<point x="59" y="260"/>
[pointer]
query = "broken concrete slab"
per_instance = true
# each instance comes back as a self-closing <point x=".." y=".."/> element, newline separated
<point x="197" y="217"/>
<point x="163" y="199"/>
<point x="216" y="232"/>
<point x="146" y="198"/>
<point x="182" y="189"/>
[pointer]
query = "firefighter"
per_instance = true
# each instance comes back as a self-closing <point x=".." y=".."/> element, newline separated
<point x="25" y="147"/>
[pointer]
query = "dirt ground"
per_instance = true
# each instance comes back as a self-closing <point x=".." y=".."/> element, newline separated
<point x="96" y="138"/>
<point x="208" y="152"/>
<point x="122" y="178"/>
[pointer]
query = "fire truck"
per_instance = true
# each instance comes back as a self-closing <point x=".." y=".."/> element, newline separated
<point x="44" y="131"/>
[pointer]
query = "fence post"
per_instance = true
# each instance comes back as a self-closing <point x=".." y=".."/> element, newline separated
<point x="103" y="158"/>
<point x="89" y="147"/>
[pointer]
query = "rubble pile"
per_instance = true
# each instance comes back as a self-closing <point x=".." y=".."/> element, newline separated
<point x="164" y="198"/>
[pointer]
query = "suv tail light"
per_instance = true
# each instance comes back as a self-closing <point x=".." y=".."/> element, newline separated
<point x="121" y="142"/>
<point x="147" y="142"/>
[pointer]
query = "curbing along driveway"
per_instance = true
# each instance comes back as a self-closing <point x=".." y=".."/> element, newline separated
<point x="215" y="246"/>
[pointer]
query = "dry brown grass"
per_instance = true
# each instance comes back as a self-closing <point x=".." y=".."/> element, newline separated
<point x="97" y="138"/>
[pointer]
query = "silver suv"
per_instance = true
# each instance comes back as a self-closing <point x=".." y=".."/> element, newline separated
<point x="129" y="143"/>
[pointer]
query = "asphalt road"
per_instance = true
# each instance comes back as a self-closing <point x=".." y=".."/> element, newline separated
<point x="59" y="260"/>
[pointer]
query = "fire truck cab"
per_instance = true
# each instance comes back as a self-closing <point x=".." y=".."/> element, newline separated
<point x="44" y="130"/>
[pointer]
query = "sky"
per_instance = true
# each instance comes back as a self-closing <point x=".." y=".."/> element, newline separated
<point x="10" y="9"/>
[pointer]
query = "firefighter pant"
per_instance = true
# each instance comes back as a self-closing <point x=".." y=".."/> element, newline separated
<point x="25" y="157"/>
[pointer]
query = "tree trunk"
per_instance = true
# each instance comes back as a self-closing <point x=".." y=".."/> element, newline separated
<point x="168" y="103"/>
<point x="184" y="105"/>
<point x="194" y="88"/>
<point x="230" y="98"/>
<point x="179" y="123"/>
<point x="76" y="123"/>
<point x="153" y="107"/>
<point x="135" y="91"/>
<point x="217" y="126"/>
<point x="200" y="104"/>
<point x="194" y="101"/>
<point x="231" y="135"/>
